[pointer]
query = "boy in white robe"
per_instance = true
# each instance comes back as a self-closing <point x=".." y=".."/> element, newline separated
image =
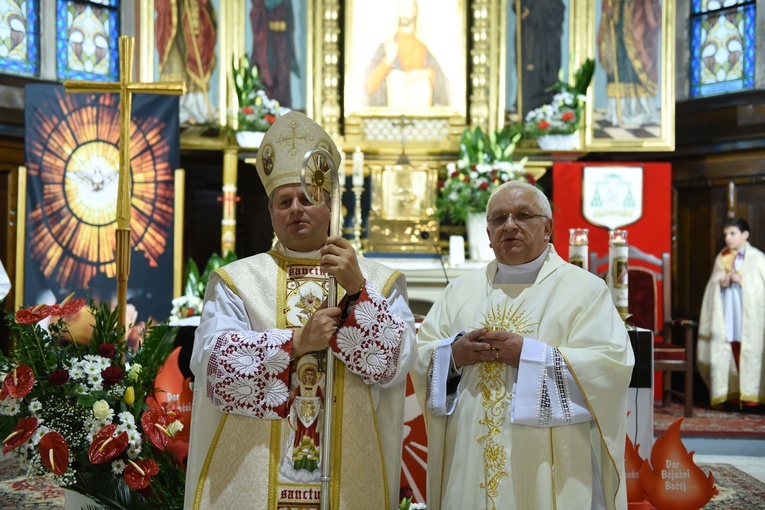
<point x="731" y="324"/>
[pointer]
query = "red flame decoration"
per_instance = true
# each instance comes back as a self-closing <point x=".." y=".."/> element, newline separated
<point x="633" y="463"/>
<point x="672" y="481"/>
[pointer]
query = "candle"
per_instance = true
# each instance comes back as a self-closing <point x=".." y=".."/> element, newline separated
<point x="578" y="247"/>
<point x="618" y="270"/>
<point x="358" y="167"/>
<point x="341" y="168"/>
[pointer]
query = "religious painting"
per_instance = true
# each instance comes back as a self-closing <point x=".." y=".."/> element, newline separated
<point x="72" y="156"/>
<point x="276" y="40"/>
<point x="631" y="99"/>
<point x="185" y="40"/>
<point x="405" y="55"/>
<point x="536" y="50"/>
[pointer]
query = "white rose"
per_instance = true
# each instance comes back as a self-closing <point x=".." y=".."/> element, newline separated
<point x="101" y="409"/>
<point x="174" y="428"/>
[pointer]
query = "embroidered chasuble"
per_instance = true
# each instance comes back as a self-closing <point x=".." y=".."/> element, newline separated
<point x="479" y="456"/>
<point x="715" y="358"/>
<point x="264" y="449"/>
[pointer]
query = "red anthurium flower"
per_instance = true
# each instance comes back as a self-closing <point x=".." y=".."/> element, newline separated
<point x="54" y="452"/>
<point x="155" y="422"/>
<point x="269" y="118"/>
<point x="24" y="429"/>
<point x="247" y="110"/>
<point x="18" y="382"/>
<point x="33" y="314"/>
<point x="105" y="447"/>
<point x="68" y="306"/>
<point x="567" y="116"/>
<point x="543" y="124"/>
<point x="138" y="473"/>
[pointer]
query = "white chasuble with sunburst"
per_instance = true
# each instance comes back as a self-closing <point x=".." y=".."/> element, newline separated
<point x="477" y="456"/>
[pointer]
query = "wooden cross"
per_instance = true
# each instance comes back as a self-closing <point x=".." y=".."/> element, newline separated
<point x="403" y="159"/>
<point x="125" y="87"/>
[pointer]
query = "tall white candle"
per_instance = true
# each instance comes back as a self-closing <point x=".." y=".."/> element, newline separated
<point x="358" y="167"/>
<point x="618" y="266"/>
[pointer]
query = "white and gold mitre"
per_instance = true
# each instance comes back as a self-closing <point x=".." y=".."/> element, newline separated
<point x="286" y="143"/>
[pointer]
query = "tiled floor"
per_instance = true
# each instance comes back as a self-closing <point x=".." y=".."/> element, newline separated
<point x="753" y="466"/>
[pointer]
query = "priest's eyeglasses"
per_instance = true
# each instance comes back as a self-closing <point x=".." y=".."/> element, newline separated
<point x="499" y="219"/>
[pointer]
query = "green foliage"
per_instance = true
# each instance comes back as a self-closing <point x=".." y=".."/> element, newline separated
<point x="70" y="381"/>
<point x="190" y="303"/>
<point x="256" y="111"/>
<point x="563" y="115"/>
<point x="485" y="162"/>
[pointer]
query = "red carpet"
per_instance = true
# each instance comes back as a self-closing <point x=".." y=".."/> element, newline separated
<point x="711" y="422"/>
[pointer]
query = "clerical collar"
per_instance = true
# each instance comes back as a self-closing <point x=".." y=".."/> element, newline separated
<point x="521" y="273"/>
<point x="315" y="254"/>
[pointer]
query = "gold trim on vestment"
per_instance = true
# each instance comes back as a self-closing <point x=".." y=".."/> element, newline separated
<point x="337" y="431"/>
<point x="206" y="465"/>
<point x="226" y="278"/>
<point x="379" y="446"/>
<point x="600" y="431"/>
<point x="273" y="462"/>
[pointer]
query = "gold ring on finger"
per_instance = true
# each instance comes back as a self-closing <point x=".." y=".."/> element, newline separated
<point x="497" y="355"/>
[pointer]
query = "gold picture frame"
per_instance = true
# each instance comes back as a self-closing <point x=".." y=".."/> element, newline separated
<point x="405" y="56"/>
<point x="631" y="105"/>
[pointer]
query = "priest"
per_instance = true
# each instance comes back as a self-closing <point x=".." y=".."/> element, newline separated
<point x="522" y="373"/>
<point x="259" y="358"/>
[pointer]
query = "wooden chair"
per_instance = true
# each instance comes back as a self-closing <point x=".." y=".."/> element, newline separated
<point x="669" y="354"/>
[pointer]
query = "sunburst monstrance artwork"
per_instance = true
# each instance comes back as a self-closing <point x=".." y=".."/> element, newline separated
<point x="73" y="155"/>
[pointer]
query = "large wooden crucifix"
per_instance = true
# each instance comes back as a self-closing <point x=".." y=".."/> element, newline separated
<point x="125" y="87"/>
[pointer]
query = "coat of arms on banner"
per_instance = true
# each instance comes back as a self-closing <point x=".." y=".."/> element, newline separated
<point x="612" y="196"/>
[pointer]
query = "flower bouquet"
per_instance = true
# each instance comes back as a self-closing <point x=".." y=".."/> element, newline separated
<point x="256" y="111"/>
<point x="190" y="303"/>
<point x="484" y="163"/>
<point x="77" y="415"/>
<point x="563" y="114"/>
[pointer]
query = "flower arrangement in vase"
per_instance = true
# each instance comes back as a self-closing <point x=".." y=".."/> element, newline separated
<point x="190" y="303"/>
<point x="484" y="163"/>
<point x="563" y="115"/>
<point x="256" y="112"/>
<point x="77" y="415"/>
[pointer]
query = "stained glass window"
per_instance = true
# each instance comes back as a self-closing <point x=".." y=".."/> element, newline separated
<point x="722" y="36"/>
<point x="87" y="34"/>
<point x="20" y="37"/>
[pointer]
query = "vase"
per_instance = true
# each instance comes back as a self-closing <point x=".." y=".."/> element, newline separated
<point x="478" y="239"/>
<point x="250" y="139"/>
<point x="73" y="500"/>
<point x="558" y="142"/>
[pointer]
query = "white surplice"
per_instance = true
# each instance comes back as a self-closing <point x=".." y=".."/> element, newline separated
<point x="715" y="357"/>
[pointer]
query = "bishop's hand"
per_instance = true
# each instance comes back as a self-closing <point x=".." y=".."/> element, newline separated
<point x="317" y="332"/>
<point x="338" y="258"/>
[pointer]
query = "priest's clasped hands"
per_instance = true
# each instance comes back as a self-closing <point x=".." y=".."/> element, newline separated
<point x="484" y="345"/>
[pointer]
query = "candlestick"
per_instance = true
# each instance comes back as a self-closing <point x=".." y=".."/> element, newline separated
<point x="358" y="167"/>
<point x="618" y="270"/>
<point x="356" y="241"/>
<point x="578" y="247"/>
